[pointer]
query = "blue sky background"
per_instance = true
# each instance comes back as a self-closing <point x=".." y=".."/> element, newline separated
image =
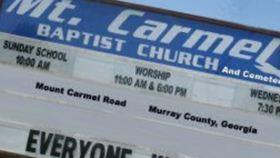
<point x="257" y="13"/>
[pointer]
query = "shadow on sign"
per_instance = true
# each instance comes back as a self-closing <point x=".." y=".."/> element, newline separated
<point x="4" y="154"/>
<point x="1" y="2"/>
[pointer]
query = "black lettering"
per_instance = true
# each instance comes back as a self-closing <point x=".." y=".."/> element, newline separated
<point x="84" y="148"/>
<point x="57" y="145"/>
<point x="254" y="93"/>
<point x="138" y="70"/>
<point x="51" y="54"/>
<point x="45" y="142"/>
<point x="69" y="147"/>
<point x="153" y="109"/>
<point x="111" y="153"/>
<point x="277" y="110"/>
<point x="38" y="51"/>
<point x="39" y="85"/>
<point x="95" y="148"/>
<point x="264" y="95"/>
<point x="152" y="73"/>
<point x="6" y="44"/>
<point x="31" y="140"/>
<point x="126" y="152"/>
<point x="158" y="156"/>
<point x="106" y="99"/>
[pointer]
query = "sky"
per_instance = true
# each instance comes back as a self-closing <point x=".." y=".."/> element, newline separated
<point x="256" y="13"/>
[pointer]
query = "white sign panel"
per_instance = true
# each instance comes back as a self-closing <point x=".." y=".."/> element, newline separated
<point x="149" y="78"/>
<point x="196" y="143"/>
<point x="53" y="143"/>
<point x="166" y="111"/>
